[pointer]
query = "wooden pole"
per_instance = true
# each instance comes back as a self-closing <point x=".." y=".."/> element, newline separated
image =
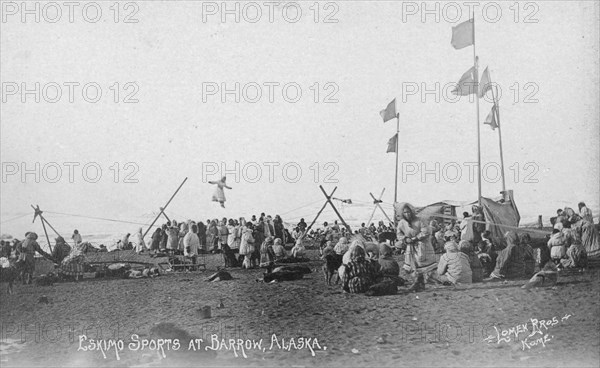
<point x="165" y="206"/>
<point x="375" y="203"/>
<point x="381" y="208"/>
<point x="397" y="145"/>
<point x="162" y="210"/>
<point x="497" y="114"/>
<point x="477" y="116"/>
<point x="335" y="209"/>
<point x="319" y="213"/>
<point x="38" y="212"/>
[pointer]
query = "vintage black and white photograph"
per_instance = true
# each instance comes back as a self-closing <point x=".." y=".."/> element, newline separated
<point x="306" y="183"/>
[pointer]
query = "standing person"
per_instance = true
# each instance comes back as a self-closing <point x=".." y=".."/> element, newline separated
<point x="266" y="251"/>
<point x="478" y="223"/>
<point x="219" y="194"/>
<point x="269" y="230"/>
<point x="464" y="224"/>
<point x="172" y="238"/>
<point x="363" y="229"/>
<point x="213" y="236"/>
<point x="202" y="235"/>
<point x="141" y="245"/>
<point x="223" y="233"/>
<point x="233" y="235"/>
<point x="191" y="243"/>
<point x="585" y="213"/>
<point x="259" y="233"/>
<point x="156" y="238"/>
<point x="278" y="225"/>
<point x="5" y="249"/>
<point x="247" y="246"/>
<point x="414" y="234"/>
<point x="27" y="256"/>
<point x="183" y="229"/>
<point x="125" y="242"/>
<point x="76" y="237"/>
<point x="164" y="237"/>
<point x="302" y="225"/>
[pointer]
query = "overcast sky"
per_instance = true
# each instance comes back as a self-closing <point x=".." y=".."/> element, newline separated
<point x="544" y="56"/>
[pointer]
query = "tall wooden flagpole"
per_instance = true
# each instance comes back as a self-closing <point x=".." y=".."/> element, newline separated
<point x="497" y="114"/>
<point x="477" y="116"/>
<point x="397" y="145"/>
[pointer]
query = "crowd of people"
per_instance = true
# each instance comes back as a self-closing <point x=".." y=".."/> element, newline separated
<point x="464" y="252"/>
<point x="450" y="252"/>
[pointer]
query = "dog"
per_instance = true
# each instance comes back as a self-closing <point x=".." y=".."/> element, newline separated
<point x="220" y="275"/>
<point x="333" y="262"/>
<point x="229" y="256"/>
<point x="8" y="273"/>
<point x="387" y="235"/>
<point x="284" y="273"/>
<point x="46" y="280"/>
<point x="282" y="276"/>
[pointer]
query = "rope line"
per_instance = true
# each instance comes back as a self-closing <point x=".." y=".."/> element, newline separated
<point x="15" y="218"/>
<point x="95" y="218"/>
<point x="295" y="209"/>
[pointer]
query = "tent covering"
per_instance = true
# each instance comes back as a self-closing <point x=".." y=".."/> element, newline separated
<point x="501" y="213"/>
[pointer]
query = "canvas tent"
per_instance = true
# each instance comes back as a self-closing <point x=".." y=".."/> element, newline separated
<point x="501" y="213"/>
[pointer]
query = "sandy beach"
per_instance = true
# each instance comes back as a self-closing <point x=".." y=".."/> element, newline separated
<point x="544" y="327"/>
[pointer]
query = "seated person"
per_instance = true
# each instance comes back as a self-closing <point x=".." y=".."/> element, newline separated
<point x="278" y="249"/>
<point x="342" y="246"/>
<point x="359" y="273"/>
<point x="454" y="266"/>
<point x="576" y="256"/>
<point x="298" y="250"/>
<point x="476" y="268"/>
<point x="510" y="262"/>
<point x="327" y="250"/>
<point x="485" y="259"/>
<point x="485" y="244"/>
<point x="356" y="243"/>
<point x="61" y="250"/>
<point x="528" y="256"/>
<point x="389" y="266"/>
<point x="557" y="245"/>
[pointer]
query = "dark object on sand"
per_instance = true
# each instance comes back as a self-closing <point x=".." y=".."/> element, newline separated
<point x="285" y="273"/>
<point x="294" y="260"/>
<point x="220" y="275"/>
<point x="294" y="268"/>
<point x="43" y="299"/>
<point x="545" y="278"/>
<point x="387" y="287"/>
